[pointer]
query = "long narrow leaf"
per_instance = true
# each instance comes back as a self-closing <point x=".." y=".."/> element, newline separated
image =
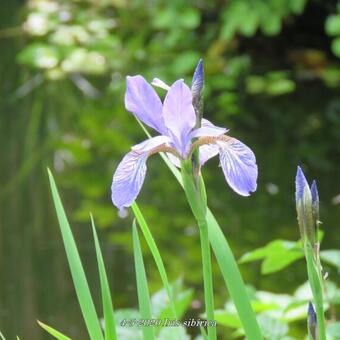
<point x="228" y="266"/>
<point x="2" y="336"/>
<point x="142" y="285"/>
<point x="52" y="331"/>
<point x="77" y="270"/>
<point x="156" y="255"/>
<point x="110" y="325"/>
<point x="233" y="278"/>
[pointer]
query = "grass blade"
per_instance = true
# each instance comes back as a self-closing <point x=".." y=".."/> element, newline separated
<point x="142" y="285"/>
<point x="77" y="270"/>
<point x="156" y="255"/>
<point x="2" y="336"/>
<point x="203" y="333"/>
<point x="233" y="278"/>
<point x="110" y="325"/>
<point x="52" y="331"/>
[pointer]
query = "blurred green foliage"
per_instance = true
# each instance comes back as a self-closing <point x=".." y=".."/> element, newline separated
<point x="272" y="77"/>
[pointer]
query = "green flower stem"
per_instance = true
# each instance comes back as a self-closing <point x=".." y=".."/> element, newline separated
<point x="315" y="281"/>
<point x="195" y="192"/>
<point x="207" y="277"/>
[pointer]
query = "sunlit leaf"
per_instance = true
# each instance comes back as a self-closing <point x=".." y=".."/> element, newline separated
<point x="142" y="285"/>
<point x="58" y="335"/>
<point x="110" y="327"/>
<point x="76" y="267"/>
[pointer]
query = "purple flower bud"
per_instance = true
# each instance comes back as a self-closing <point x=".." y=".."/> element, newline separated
<point x="312" y="323"/>
<point x="304" y="210"/>
<point x="314" y="191"/>
<point x="300" y="184"/>
<point x="198" y="78"/>
<point x="197" y="85"/>
<point x="315" y="202"/>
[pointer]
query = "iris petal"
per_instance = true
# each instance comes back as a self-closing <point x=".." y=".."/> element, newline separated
<point x="239" y="166"/>
<point x="179" y="115"/>
<point x="208" y="129"/>
<point x="130" y="173"/>
<point x="208" y="151"/>
<point x="142" y="100"/>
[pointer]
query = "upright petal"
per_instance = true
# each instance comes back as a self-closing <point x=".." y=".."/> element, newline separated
<point x="130" y="173"/>
<point x="179" y="115"/>
<point x="142" y="100"/>
<point x="239" y="166"/>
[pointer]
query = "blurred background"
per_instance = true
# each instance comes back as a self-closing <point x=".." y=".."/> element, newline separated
<point x="272" y="76"/>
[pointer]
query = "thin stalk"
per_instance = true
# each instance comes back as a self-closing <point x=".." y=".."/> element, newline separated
<point x="196" y="195"/>
<point x="207" y="278"/>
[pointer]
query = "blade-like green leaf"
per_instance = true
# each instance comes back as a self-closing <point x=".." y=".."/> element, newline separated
<point x="2" y="337"/>
<point x="203" y="333"/>
<point x="228" y="266"/>
<point x="76" y="268"/>
<point x="52" y="331"/>
<point x="142" y="285"/>
<point x="110" y="326"/>
<point x="233" y="278"/>
<point x="156" y="255"/>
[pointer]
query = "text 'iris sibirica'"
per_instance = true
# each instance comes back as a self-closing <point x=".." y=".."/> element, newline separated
<point x="176" y="122"/>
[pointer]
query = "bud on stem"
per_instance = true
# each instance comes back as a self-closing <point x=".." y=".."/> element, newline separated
<point x="197" y="86"/>
<point x="307" y="206"/>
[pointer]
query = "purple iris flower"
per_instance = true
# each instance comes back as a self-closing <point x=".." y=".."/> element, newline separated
<point x="175" y="122"/>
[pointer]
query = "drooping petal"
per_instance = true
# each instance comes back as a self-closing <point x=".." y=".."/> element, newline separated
<point x="160" y="83"/>
<point x="208" y="129"/>
<point x="142" y="100"/>
<point x="208" y="151"/>
<point x="151" y="143"/>
<point x="239" y="166"/>
<point x="130" y="173"/>
<point x="179" y="115"/>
